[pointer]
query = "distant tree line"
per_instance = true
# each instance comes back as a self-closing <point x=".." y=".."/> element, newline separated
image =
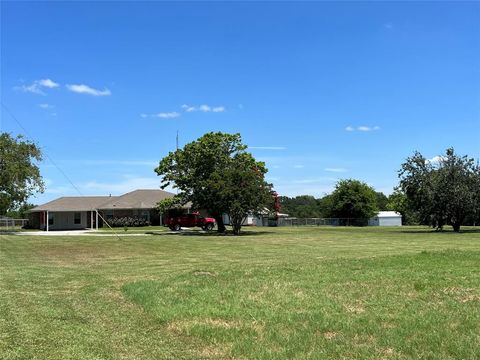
<point x="444" y="191"/>
<point x="350" y="199"/>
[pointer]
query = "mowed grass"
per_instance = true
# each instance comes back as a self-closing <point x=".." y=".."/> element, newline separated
<point x="305" y="292"/>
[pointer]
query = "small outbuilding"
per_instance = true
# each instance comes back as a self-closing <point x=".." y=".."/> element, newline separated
<point x="386" y="218"/>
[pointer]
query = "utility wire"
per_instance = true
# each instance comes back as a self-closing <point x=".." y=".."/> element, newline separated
<point x="30" y="137"/>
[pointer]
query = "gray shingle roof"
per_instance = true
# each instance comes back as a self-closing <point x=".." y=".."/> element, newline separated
<point x="138" y="199"/>
<point x="73" y="203"/>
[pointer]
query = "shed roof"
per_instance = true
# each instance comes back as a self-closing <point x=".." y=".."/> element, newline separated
<point x="73" y="203"/>
<point x="388" y="214"/>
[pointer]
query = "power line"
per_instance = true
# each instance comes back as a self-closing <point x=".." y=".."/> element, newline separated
<point x="29" y="137"/>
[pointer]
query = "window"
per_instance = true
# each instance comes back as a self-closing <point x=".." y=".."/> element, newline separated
<point x="77" y="218"/>
<point x="50" y="219"/>
<point x="109" y="214"/>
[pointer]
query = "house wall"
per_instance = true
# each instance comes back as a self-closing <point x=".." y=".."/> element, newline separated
<point x="65" y="220"/>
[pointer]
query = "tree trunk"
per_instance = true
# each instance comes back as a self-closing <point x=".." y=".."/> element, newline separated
<point x="456" y="226"/>
<point x="236" y="228"/>
<point x="220" y="225"/>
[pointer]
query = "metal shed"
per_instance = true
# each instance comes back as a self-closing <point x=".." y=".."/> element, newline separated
<point x="386" y="218"/>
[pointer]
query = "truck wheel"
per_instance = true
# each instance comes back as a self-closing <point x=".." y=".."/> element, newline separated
<point x="176" y="227"/>
<point x="208" y="227"/>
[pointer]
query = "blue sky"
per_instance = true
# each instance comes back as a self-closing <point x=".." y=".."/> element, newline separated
<point x="320" y="91"/>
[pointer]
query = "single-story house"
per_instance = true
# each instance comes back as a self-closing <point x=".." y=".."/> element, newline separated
<point x="80" y="212"/>
<point x="386" y="218"/>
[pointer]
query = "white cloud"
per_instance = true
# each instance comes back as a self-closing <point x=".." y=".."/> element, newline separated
<point x="190" y="109"/>
<point x="435" y="160"/>
<point x="143" y="115"/>
<point x="298" y="166"/>
<point x="48" y="83"/>
<point x="203" y="108"/>
<point x="338" y="170"/>
<point x="267" y="147"/>
<point x="46" y="106"/>
<point x="167" y="115"/>
<point x="363" y="128"/>
<point x="37" y="86"/>
<point x="85" y="89"/>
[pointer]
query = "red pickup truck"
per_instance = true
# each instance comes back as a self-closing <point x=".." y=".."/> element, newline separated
<point x="190" y="220"/>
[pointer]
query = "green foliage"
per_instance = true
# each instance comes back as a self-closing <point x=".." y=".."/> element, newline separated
<point x="303" y="206"/>
<point x="19" y="175"/>
<point x="353" y="199"/>
<point x="398" y="202"/>
<point x="215" y="173"/>
<point x="21" y="212"/>
<point x="127" y="221"/>
<point x="382" y="200"/>
<point x="442" y="192"/>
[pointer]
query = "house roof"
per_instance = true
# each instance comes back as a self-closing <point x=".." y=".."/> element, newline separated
<point x="73" y="203"/>
<point x="138" y="199"/>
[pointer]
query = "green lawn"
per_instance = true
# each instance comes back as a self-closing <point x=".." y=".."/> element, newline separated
<point x="305" y="292"/>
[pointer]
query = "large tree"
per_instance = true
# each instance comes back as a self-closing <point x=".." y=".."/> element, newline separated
<point x="444" y="191"/>
<point x="353" y="199"/>
<point x="215" y="173"/>
<point x="19" y="174"/>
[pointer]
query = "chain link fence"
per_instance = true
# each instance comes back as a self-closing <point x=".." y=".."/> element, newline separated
<point x="9" y="224"/>
<point x="291" y="221"/>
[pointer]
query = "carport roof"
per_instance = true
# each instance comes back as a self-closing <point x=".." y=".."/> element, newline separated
<point x="73" y="203"/>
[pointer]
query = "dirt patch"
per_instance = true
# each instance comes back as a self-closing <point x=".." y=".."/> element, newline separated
<point x="462" y="295"/>
<point x="357" y="308"/>
<point x="330" y="335"/>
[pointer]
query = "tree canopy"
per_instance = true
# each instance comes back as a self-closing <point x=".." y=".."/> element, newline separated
<point x="353" y="199"/>
<point x="442" y="192"/>
<point x="217" y="174"/>
<point x="19" y="174"/>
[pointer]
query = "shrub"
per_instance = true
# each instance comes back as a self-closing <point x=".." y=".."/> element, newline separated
<point x="128" y="222"/>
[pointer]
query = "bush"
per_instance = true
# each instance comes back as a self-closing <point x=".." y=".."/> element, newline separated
<point x="128" y="222"/>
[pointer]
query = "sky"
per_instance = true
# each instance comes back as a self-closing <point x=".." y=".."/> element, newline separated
<point x="320" y="91"/>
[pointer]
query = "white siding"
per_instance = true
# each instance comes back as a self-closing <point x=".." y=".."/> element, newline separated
<point x="390" y="221"/>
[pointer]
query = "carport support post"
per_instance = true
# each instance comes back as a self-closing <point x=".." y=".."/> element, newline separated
<point x="46" y="219"/>
<point x="96" y="219"/>
<point x="91" y="220"/>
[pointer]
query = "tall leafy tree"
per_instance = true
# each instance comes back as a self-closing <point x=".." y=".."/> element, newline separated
<point x="442" y="192"/>
<point x="353" y="199"/>
<point x="19" y="173"/>
<point x="216" y="173"/>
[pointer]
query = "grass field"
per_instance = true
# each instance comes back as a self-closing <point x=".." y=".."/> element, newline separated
<point x="319" y="292"/>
